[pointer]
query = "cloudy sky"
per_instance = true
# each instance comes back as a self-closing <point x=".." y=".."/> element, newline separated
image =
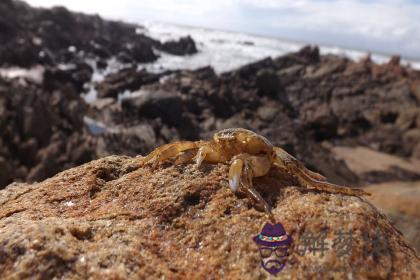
<point x="389" y="26"/>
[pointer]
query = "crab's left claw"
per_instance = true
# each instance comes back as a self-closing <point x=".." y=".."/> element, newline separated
<point x="240" y="175"/>
<point x="167" y="151"/>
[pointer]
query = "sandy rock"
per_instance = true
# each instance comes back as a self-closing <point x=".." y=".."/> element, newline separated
<point x="399" y="201"/>
<point x="416" y="90"/>
<point x="416" y="152"/>
<point x="375" y="166"/>
<point x="327" y="68"/>
<point x="411" y="139"/>
<point x="109" y="218"/>
<point x="407" y="118"/>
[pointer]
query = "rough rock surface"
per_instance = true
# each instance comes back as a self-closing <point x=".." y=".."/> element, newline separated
<point x="41" y="131"/>
<point x="49" y="36"/>
<point x="111" y="219"/>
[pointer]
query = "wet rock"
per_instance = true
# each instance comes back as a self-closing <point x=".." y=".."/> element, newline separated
<point x="306" y="56"/>
<point x="132" y="141"/>
<point x="126" y="79"/>
<point x="250" y="70"/>
<point x="101" y="64"/>
<point x="142" y="53"/>
<point x="268" y="83"/>
<point x="76" y="76"/>
<point x="182" y="46"/>
<point x="154" y="104"/>
<point x="110" y="218"/>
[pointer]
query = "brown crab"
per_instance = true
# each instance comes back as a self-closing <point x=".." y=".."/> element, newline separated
<point x="250" y="155"/>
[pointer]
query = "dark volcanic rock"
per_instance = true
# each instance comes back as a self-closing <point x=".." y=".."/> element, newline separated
<point x="76" y="76"/>
<point x="155" y="104"/>
<point x="42" y="131"/>
<point x="126" y="79"/>
<point x="50" y="36"/>
<point x="182" y="46"/>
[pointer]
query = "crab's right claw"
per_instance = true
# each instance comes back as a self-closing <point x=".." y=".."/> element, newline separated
<point x="240" y="175"/>
<point x="235" y="173"/>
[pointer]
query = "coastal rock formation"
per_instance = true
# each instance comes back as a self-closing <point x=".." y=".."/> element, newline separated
<point x="48" y="36"/>
<point x="42" y="114"/>
<point x="301" y="101"/>
<point x="126" y="79"/>
<point x="30" y="36"/>
<point x="41" y="132"/>
<point x="182" y="46"/>
<point x="111" y="218"/>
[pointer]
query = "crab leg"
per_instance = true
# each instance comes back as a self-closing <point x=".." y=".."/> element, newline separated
<point x="243" y="168"/>
<point x="309" y="178"/>
<point x="283" y="156"/>
<point x="168" y="151"/>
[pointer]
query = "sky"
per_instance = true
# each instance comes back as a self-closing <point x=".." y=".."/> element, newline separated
<point x="386" y="26"/>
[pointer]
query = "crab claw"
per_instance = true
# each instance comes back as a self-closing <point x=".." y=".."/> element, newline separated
<point x="235" y="173"/>
<point x="241" y="173"/>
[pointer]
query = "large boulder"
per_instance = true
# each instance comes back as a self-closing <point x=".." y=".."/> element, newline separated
<point x="182" y="46"/>
<point x="111" y="218"/>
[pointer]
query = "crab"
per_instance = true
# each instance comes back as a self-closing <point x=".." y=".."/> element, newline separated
<point x="249" y="155"/>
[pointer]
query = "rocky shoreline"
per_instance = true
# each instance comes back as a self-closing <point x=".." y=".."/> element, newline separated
<point x="357" y="122"/>
<point x="303" y="101"/>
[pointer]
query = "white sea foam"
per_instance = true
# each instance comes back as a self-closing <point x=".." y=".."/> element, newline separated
<point x="226" y="51"/>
